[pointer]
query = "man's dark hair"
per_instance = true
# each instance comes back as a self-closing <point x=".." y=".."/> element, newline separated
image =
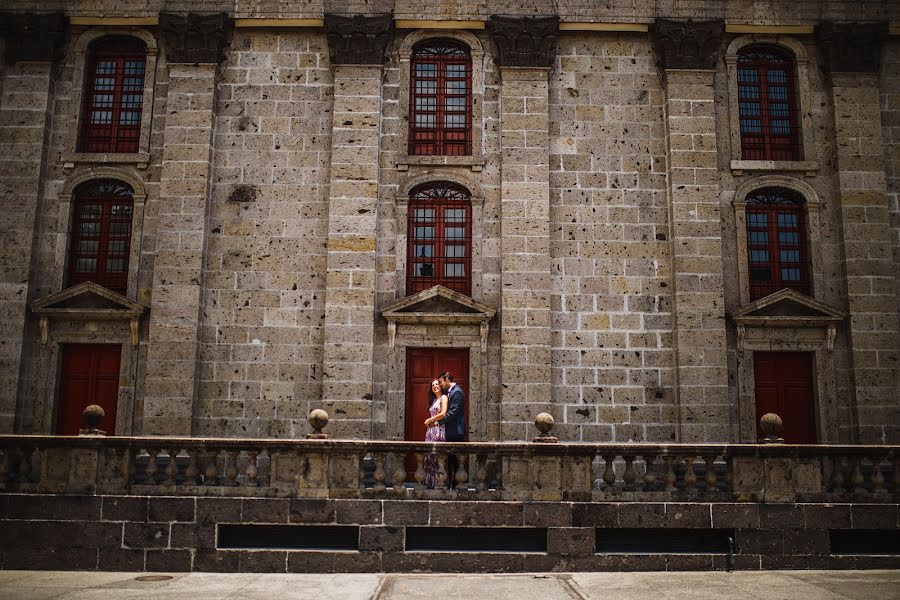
<point x="446" y="375"/>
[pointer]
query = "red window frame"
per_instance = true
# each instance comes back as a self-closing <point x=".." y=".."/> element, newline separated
<point x="101" y="235"/>
<point x="440" y="99"/>
<point x="777" y="255"/>
<point x="439" y="239"/>
<point x="114" y="96"/>
<point x="767" y="104"/>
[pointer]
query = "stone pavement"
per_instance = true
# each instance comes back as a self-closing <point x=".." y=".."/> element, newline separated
<point x="746" y="585"/>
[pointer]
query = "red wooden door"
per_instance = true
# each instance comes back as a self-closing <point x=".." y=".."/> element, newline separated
<point x="423" y="365"/>
<point x="90" y="375"/>
<point x="784" y="386"/>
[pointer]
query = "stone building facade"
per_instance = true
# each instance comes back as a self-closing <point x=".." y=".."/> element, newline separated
<point x="608" y="184"/>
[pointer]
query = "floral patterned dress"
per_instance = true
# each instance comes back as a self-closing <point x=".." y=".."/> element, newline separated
<point x="437" y="433"/>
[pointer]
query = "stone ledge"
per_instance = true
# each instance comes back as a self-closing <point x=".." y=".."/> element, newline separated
<point x="72" y="159"/>
<point x="475" y="162"/>
<point x="810" y="168"/>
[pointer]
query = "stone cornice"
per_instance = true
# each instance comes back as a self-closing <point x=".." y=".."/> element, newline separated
<point x="195" y="38"/>
<point x="524" y="41"/>
<point x="852" y="47"/>
<point x="32" y="37"/>
<point x="358" y="40"/>
<point x="688" y="44"/>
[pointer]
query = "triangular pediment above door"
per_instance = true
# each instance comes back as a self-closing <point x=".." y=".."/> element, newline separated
<point x="787" y="308"/>
<point x="438" y="305"/>
<point x="87" y="301"/>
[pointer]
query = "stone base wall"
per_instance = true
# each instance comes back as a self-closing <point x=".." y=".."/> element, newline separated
<point x="139" y="533"/>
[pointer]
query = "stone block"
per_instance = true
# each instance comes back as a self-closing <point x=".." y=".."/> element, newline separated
<point x="172" y="509"/>
<point x="265" y="510"/>
<point x="476" y="514"/>
<point x="169" y="561"/>
<point x="218" y="510"/>
<point x="146" y="535"/>
<point x="578" y="541"/>
<point x="358" y="512"/>
<point x="381" y="538"/>
<point x="125" y="508"/>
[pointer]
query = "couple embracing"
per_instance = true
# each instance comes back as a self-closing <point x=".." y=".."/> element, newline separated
<point x="446" y="423"/>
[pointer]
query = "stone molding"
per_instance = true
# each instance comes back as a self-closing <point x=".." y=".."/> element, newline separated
<point x="524" y="41"/>
<point x="852" y="47"/>
<point x="358" y="40"/>
<point x="195" y="38"/>
<point x="688" y="44"/>
<point x="32" y="37"/>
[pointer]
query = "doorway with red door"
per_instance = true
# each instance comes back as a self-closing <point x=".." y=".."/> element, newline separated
<point x="89" y="375"/>
<point x="783" y="384"/>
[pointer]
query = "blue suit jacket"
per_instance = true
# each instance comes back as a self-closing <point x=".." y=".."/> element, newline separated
<point x="455" y="419"/>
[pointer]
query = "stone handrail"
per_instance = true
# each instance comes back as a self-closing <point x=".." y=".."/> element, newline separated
<point x="323" y="468"/>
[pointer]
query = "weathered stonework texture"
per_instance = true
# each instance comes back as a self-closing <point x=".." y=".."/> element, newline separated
<point x="608" y="230"/>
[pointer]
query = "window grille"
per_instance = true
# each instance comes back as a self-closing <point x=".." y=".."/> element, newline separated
<point x="776" y="242"/>
<point x="767" y="104"/>
<point x="440" y="103"/>
<point x="101" y="235"/>
<point x="114" y="96"/>
<point x="440" y="239"/>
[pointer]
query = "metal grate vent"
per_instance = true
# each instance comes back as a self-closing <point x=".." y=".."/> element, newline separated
<point x="288" y="537"/>
<point x="865" y="541"/>
<point x="662" y="541"/>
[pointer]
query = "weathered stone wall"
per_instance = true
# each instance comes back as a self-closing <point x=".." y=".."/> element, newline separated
<point x="264" y="268"/>
<point x="140" y="533"/>
<point x="611" y="267"/>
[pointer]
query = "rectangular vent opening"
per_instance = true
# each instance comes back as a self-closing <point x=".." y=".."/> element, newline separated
<point x="476" y="539"/>
<point x="662" y="541"/>
<point x="288" y="537"/>
<point x="865" y="541"/>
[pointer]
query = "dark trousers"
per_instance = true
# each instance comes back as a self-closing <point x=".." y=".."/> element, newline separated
<point x="453" y="461"/>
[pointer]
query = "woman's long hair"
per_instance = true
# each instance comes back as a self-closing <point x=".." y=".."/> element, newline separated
<point x="431" y="395"/>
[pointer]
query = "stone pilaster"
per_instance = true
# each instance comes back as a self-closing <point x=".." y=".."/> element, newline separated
<point x="193" y="44"/>
<point x="31" y="42"/>
<point x="356" y="45"/>
<point x="688" y="52"/>
<point x="525" y="51"/>
<point x="854" y="52"/>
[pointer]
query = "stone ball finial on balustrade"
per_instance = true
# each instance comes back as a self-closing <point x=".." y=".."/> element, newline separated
<point x="771" y="425"/>
<point x="318" y="418"/>
<point x="91" y="417"/>
<point x="544" y="423"/>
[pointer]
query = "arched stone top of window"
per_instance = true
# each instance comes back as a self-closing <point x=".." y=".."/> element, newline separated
<point x="778" y="48"/>
<point x="85" y="177"/>
<point x="763" y="186"/>
<point x="422" y="38"/>
<point x="439" y="190"/>
<point x="775" y="195"/>
<point x="130" y="40"/>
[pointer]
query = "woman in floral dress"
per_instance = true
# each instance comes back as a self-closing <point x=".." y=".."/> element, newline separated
<point x="435" y="432"/>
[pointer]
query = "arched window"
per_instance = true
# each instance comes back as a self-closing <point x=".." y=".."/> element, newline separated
<point x="440" y="238"/>
<point x="114" y="95"/>
<point x="440" y="120"/>
<point x="776" y="242"/>
<point x="767" y="104"/>
<point x="101" y="235"/>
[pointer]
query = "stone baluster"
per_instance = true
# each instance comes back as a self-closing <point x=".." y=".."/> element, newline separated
<point x="211" y="472"/>
<point x="461" y="477"/>
<point x="25" y="467"/>
<point x="399" y="473"/>
<point x="628" y="476"/>
<point x="877" y="476"/>
<point x="4" y="469"/>
<point x="609" y="473"/>
<point x="441" y="473"/>
<point x="171" y="470"/>
<point x="191" y="471"/>
<point x="670" y="476"/>
<point x="649" y="479"/>
<point x="896" y="475"/>
<point x="837" y="476"/>
<point x="690" y="476"/>
<point x="152" y="467"/>
<point x="481" y="473"/>
<point x="251" y="473"/>
<point x="379" y="473"/>
<point x="420" y="471"/>
<point x="231" y="470"/>
<point x="857" y="479"/>
<point x="711" y="477"/>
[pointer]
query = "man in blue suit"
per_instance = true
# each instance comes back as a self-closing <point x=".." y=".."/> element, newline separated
<point x="455" y="420"/>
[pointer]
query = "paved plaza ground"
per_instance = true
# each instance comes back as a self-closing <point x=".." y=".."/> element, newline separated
<point x="747" y="585"/>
